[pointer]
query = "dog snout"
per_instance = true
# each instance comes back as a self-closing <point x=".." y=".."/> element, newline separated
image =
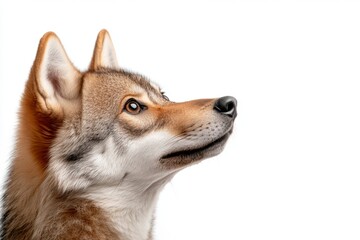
<point x="226" y="106"/>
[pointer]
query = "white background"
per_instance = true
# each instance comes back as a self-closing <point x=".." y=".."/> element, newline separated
<point x="292" y="168"/>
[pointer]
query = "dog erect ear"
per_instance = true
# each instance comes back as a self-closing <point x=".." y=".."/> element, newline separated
<point x="57" y="80"/>
<point x="104" y="53"/>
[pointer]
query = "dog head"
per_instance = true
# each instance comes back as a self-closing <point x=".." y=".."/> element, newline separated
<point x="105" y="124"/>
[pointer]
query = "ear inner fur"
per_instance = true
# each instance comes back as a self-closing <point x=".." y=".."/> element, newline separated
<point x="56" y="78"/>
<point x="104" y="55"/>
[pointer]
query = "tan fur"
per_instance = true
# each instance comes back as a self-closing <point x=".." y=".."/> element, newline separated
<point x="96" y="60"/>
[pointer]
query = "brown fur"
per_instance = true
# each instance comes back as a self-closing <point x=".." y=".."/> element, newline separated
<point x="37" y="128"/>
<point x="36" y="132"/>
<point x="77" y="219"/>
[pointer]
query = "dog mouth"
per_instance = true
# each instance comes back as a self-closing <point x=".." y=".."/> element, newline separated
<point x="187" y="156"/>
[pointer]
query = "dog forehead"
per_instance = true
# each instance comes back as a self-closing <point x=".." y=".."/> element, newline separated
<point x="121" y="82"/>
<point x="106" y="83"/>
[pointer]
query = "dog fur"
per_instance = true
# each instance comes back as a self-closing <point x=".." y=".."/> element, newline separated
<point x="95" y="148"/>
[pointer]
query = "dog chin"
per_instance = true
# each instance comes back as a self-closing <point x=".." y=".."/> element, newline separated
<point x="185" y="157"/>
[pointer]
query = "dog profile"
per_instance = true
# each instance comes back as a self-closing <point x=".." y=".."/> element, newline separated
<point x="95" y="148"/>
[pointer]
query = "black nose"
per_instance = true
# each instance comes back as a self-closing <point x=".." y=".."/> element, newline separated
<point x="227" y="106"/>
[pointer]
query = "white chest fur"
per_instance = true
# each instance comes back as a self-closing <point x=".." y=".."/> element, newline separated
<point x="130" y="207"/>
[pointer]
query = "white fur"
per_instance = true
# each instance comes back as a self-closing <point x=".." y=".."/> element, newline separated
<point x="126" y="185"/>
<point x="131" y="197"/>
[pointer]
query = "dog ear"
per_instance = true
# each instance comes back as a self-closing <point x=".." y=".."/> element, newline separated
<point x="57" y="80"/>
<point x="104" y="53"/>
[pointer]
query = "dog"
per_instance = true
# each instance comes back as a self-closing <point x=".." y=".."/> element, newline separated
<point x="95" y="148"/>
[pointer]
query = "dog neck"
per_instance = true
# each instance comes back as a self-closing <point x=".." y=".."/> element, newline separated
<point x="130" y="204"/>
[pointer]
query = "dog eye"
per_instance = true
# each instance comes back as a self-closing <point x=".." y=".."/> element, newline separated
<point x="164" y="96"/>
<point x="133" y="107"/>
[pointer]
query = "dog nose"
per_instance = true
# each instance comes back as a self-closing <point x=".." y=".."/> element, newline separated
<point x="227" y="106"/>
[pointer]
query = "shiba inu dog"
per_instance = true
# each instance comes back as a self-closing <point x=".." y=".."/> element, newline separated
<point x="95" y="148"/>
